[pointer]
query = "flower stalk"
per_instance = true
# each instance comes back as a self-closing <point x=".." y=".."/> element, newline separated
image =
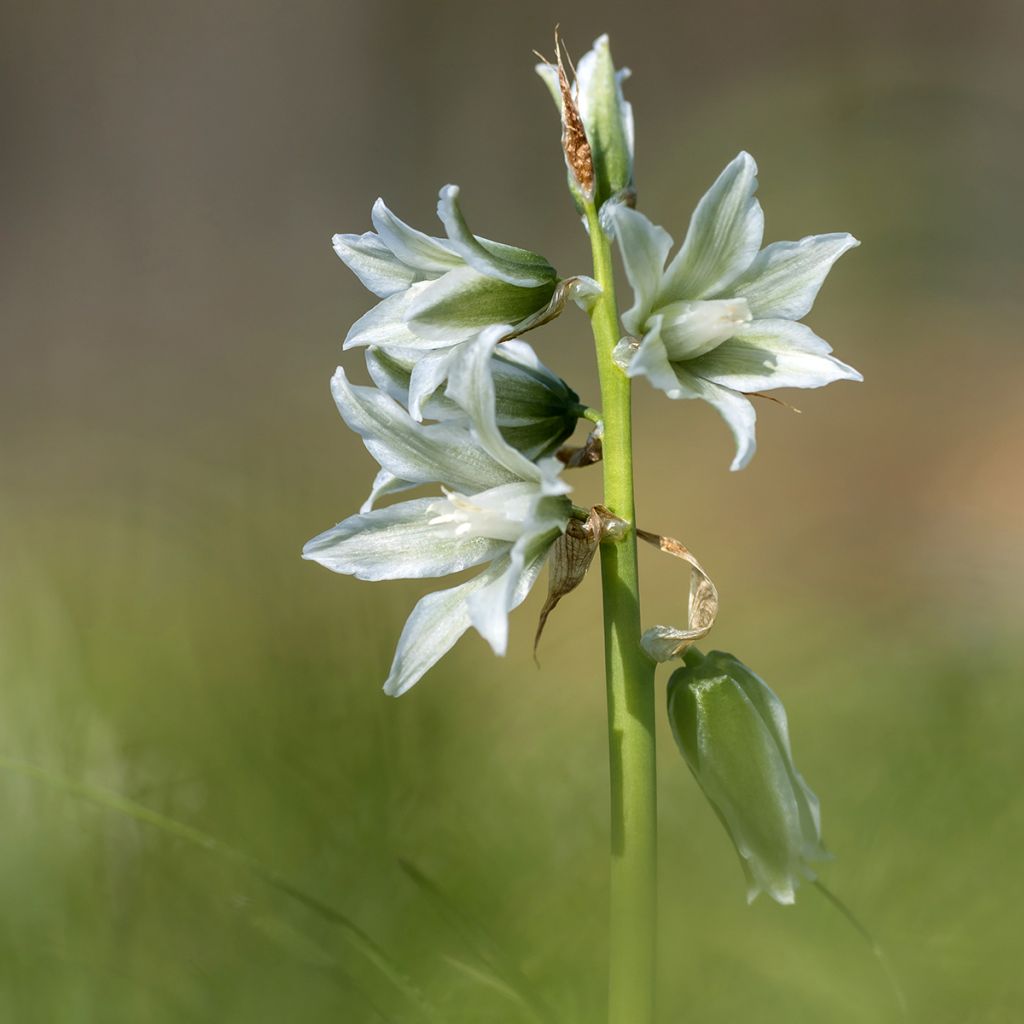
<point x="629" y="675"/>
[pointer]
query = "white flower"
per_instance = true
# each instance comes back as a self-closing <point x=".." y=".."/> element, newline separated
<point x="438" y="291"/>
<point x="496" y="507"/>
<point x="720" y="320"/>
<point x="535" y="409"/>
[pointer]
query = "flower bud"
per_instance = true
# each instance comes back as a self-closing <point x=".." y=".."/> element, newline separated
<point x="607" y="118"/>
<point x="732" y="731"/>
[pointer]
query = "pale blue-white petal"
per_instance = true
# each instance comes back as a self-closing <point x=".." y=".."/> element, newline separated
<point x="463" y="302"/>
<point x="374" y="264"/>
<point x="401" y="541"/>
<point x="489" y="606"/>
<point x="471" y="385"/>
<point x="427" y="375"/>
<point x="737" y="411"/>
<point x="506" y="263"/>
<point x="690" y="329"/>
<point x="644" y="247"/>
<point x="430" y="256"/>
<point x="784" y="280"/>
<point x="420" y="453"/>
<point x="430" y="632"/>
<point x="651" y="360"/>
<point x="772" y="354"/>
<point x="724" y="236"/>
<point x="385" y="325"/>
<point x="384" y="485"/>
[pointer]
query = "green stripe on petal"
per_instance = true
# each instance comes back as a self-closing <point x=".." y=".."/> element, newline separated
<point x="503" y="262"/>
<point x="431" y="256"/>
<point x="432" y="453"/>
<point x="377" y="268"/>
<point x="724" y="235"/>
<point x="385" y="325"/>
<point x="784" y="280"/>
<point x="769" y="354"/>
<point x="399" y="542"/>
<point x="432" y="630"/>
<point x="644" y="247"/>
<point x="463" y="302"/>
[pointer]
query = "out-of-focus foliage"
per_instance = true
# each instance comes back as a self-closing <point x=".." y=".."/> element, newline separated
<point x="172" y="313"/>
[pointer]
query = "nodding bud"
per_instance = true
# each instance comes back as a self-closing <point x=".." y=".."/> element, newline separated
<point x="732" y="731"/>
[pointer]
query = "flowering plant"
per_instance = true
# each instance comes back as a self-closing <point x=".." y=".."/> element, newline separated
<point x="461" y="405"/>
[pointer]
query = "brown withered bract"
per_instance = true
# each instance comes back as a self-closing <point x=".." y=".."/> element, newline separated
<point x="571" y="556"/>
<point x="574" y="136"/>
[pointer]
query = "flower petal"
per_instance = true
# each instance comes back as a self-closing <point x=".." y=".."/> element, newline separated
<point x="399" y="542"/>
<point x="462" y="302"/>
<point x="471" y="385"/>
<point x="772" y="354"/>
<point x="690" y="329"/>
<point x="374" y="264"/>
<point x="427" y="375"/>
<point x="784" y="279"/>
<point x="385" y="325"/>
<point x="644" y="247"/>
<point x="430" y="632"/>
<point x="738" y="413"/>
<point x="493" y="259"/>
<point x="724" y="235"/>
<point x="651" y="360"/>
<point x="384" y="485"/>
<point x="431" y="256"/>
<point x="489" y="606"/>
<point x="432" y="453"/>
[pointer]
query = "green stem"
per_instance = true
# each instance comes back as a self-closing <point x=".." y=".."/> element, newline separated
<point x="630" y="684"/>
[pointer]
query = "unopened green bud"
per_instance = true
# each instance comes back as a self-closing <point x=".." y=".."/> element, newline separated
<point x="732" y="731"/>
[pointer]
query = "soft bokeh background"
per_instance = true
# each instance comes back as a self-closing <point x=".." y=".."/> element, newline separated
<point x="172" y="312"/>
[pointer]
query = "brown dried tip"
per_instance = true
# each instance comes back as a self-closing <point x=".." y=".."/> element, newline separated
<point x="578" y="157"/>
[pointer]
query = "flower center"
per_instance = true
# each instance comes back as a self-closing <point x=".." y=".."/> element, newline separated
<point x="472" y="517"/>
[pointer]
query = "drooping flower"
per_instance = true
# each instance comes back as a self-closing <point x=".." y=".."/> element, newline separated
<point x="439" y="293"/>
<point x="733" y="733"/>
<point x="607" y="118"/>
<point x="721" y="319"/>
<point x="536" y="410"/>
<point x="496" y="506"/>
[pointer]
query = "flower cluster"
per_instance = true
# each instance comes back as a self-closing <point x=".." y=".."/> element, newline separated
<point x="463" y="403"/>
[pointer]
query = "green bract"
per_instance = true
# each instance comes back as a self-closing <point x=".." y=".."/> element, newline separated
<point x="607" y="118"/>
<point x="720" y="320"/>
<point x="732" y="731"/>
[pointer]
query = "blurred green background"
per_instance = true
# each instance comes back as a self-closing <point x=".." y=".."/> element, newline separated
<point x="172" y="312"/>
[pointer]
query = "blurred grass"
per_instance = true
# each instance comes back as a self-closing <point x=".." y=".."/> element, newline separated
<point x="171" y="315"/>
